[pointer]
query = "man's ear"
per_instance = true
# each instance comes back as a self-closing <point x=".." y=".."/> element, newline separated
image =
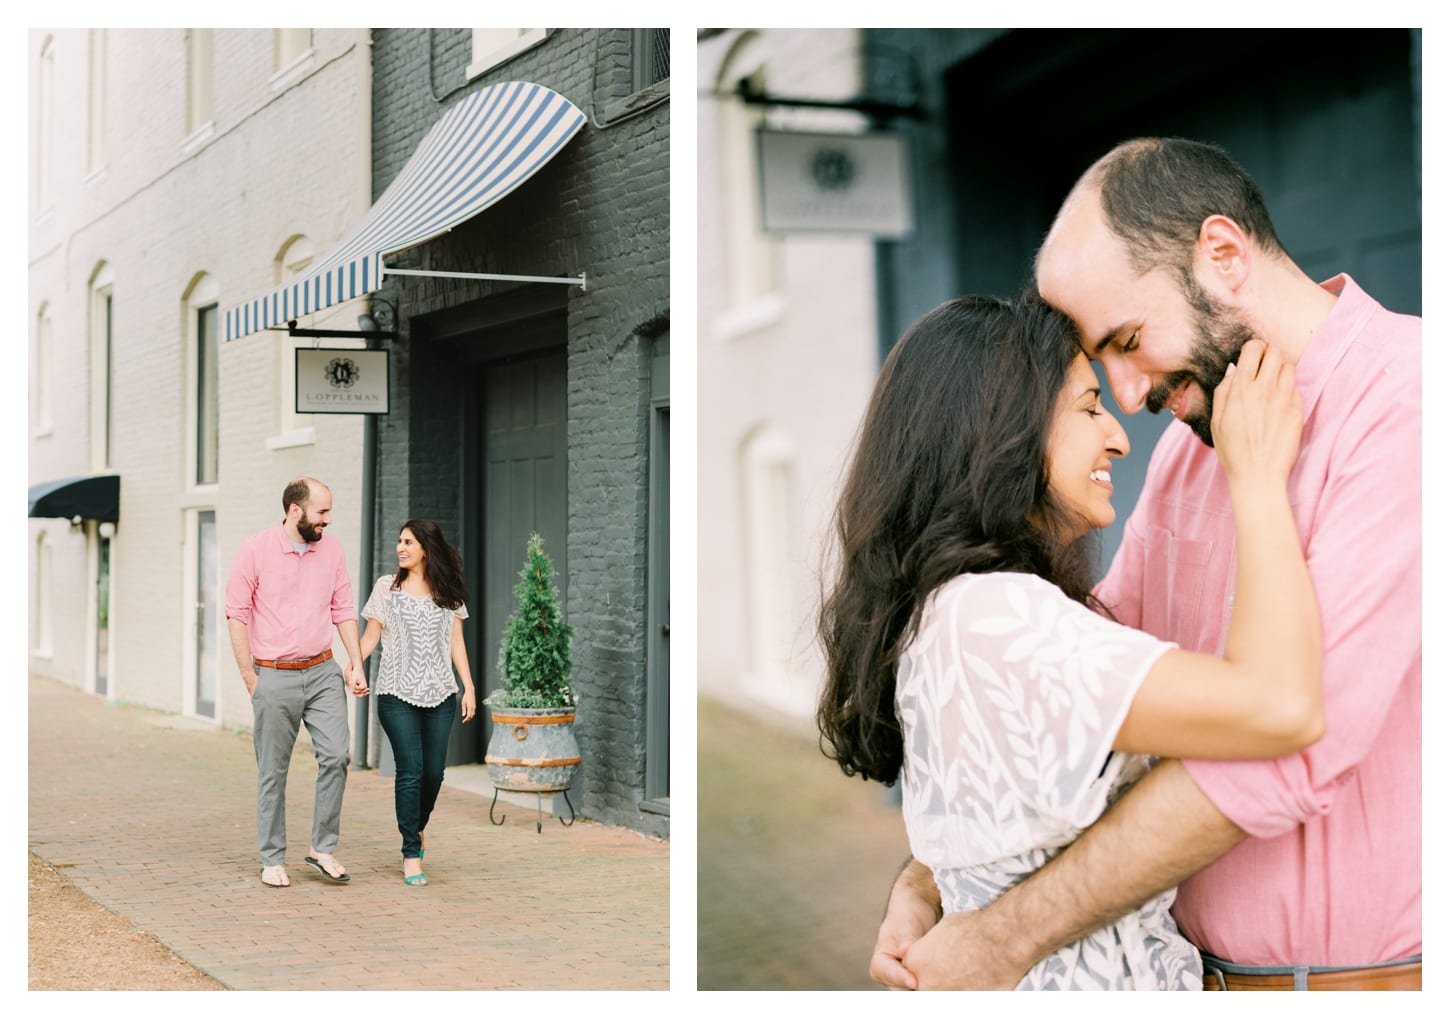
<point x="1223" y="255"/>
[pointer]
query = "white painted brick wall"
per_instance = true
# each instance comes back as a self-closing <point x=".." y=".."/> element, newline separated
<point x="806" y="372"/>
<point x="280" y="163"/>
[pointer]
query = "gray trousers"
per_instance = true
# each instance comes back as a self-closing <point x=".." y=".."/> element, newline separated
<point x="283" y="700"/>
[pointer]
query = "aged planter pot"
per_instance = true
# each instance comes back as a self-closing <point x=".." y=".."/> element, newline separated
<point x="532" y="750"/>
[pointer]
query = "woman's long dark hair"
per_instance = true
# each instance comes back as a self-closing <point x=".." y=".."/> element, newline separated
<point x="949" y="476"/>
<point x="442" y="567"/>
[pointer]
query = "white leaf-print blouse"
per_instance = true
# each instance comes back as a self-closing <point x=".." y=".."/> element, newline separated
<point x="1010" y="697"/>
<point x="417" y="642"/>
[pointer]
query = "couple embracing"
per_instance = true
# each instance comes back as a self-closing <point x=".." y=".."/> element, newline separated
<point x="1204" y="772"/>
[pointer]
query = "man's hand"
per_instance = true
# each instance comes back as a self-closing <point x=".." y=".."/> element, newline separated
<point x="911" y="911"/>
<point x="964" y="952"/>
<point x="249" y="677"/>
<point x="355" y="679"/>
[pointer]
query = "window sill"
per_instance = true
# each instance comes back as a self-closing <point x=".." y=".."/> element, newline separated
<point x="636" y="103"/>
<point x="300" y="437"/>
<point x="661" y="806"/>
<point x="198" y="138"/>
<point x="502" y="56"/>
<point x="749" y="318"/>
<point x="294" y="72"/>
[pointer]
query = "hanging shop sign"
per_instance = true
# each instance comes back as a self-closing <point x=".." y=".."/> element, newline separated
<point x="835" y="183"/>
<point x="341" y="381"/>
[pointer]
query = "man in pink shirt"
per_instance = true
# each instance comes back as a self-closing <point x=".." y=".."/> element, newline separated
<point x="1296" y="873"/>
<point x="287" y="590"/>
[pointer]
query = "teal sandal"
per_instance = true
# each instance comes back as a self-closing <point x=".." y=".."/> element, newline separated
<point x="415" y="880"/>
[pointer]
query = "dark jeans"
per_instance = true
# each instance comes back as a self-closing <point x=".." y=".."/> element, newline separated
<point x="419" y="737"/>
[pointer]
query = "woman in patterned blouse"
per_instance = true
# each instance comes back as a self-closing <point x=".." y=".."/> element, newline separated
<point x="418" y="613"/>
<point x="966" y="654"/>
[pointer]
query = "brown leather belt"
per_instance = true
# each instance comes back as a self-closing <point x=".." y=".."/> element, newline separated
<point x="291" y="663"/>
<point x="1392" y="976"/>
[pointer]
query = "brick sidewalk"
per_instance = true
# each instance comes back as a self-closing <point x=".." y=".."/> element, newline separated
<point x="154" y="818"/>
<point x="795" y="859"/>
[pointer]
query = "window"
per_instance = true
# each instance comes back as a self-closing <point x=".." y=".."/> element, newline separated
<point x="40" y="402"/>
<point x="291" y="44"/>
<point x="44" y="614"/>
<point x="44" y="127"/>
<point x="198" y="79"/>
<point x="772" y="559"/>
<point x="293" y="429"/>
<point x="203" y="407"/>
<point x="96" y="135"/>
<point x="493" y="46"/>
<point x="651" y="56"/>
<point x="102" y="366"/>
<point x="753" y="258"/>
<point x="207" y="403"/>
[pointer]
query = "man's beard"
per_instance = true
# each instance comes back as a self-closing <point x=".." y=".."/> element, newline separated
<point x="308" y="528"/>
<point x="1221" y="338"/>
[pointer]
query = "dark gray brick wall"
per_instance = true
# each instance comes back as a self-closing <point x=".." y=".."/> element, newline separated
<point x="601" y="206"/>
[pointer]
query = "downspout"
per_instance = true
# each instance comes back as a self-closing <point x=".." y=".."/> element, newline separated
<point x="368" y="525"/>
<point x="365" y="571"/>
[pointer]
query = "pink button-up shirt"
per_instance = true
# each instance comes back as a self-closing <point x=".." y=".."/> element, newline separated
<point x="289" y="601"/>
<point x="1331" y="873"/>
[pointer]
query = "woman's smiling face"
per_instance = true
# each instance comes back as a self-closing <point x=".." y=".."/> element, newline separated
<point x="410" y="553"/>
<point x="1084" y="442"/>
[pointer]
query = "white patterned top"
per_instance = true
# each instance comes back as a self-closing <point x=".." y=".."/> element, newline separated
<point x="1010" y="697"/>
<point x="417" y="642"/>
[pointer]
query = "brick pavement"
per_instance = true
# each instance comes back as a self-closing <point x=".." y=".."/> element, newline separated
<point x="794" y="859"/>
<point x="153" y="817"/>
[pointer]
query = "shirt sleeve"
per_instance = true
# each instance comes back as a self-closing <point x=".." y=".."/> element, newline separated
<point x="377" y="603"/>
<point x="343" y="609"/>
<point x="1047" y="683"/>
<point x="462" y="611"/>
<point x="1364" y="561"/>
<point x="242" y="584"/>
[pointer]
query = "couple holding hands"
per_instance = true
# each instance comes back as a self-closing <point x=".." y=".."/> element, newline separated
<point x="287" y="590"/>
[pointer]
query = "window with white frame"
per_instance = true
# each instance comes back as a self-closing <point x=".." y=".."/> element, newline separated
<point x="44" y="583"/>
<point x="204" y="406"/>
<point x="293" y="429"/>
<point x="198" y="79"/>
<point x="44" y="125"/>
<point x="291" y="44"/>
<point x="772" y="544"/>
<point x="102" y="330"/>
<point x="493" y="46"/>
<point x="753" y="257"/>
<point x="96" y="133"/>
<point x="40" y="400"/>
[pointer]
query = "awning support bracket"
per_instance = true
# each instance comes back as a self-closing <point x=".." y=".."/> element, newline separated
<point x="581" y="281"/>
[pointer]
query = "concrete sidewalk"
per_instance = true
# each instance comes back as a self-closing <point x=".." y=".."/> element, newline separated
<point x="153" y="816"/>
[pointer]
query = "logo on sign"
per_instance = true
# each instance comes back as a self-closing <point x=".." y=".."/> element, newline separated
<point x="342" y="373"/>
<point x="833" y="169"/>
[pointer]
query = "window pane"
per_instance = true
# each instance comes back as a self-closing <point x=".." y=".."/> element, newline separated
<point x="207" y="402"/>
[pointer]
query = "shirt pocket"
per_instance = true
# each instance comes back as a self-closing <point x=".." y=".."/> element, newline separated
<point x="1175" y="587"/>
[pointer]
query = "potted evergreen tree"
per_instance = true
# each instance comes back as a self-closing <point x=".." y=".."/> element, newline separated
<point x="532" y="746"/>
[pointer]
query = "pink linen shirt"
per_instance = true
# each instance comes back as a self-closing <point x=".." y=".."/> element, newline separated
<point x="289" y="602"/>
<point x="1331" y="873"/>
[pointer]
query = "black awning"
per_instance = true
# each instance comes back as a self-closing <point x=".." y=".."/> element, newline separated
<point x="97" y="497"/>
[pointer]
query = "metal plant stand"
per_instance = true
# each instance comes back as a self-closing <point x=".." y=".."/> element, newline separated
<point x="539" y="822"/>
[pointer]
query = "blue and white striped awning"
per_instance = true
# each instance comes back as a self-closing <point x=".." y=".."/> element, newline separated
<point x="477" y="153"/>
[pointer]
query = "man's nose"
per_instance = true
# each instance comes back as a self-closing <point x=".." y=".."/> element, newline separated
<point x="1130" y="387"/>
